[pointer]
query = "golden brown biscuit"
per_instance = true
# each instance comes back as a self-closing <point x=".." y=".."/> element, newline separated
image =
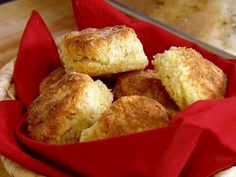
<point x="188" y="77"/>
<point x="129" y="114"/>
<point x="52" y="78"/>
<point x="63" y="110"/>
<point x="102" y="51"/>
<point x="144" y="83"/>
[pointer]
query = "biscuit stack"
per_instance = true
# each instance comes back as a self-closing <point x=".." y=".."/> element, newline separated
<point x="76" y="103"/>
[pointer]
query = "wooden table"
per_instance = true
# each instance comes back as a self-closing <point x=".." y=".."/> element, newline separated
<point x="58" y="16"/>
<point x="213" y="22"/>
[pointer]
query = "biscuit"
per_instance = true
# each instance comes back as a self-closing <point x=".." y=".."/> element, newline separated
<point x="52" y="78"/>
<point x="129" y="114"/>
<point x="104" y="51"/>
<point x="144" y="83"/>
<point x="64" y="109"/>
<point x="188" y="77"/>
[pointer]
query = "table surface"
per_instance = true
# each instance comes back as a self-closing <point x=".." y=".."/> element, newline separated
<point x="58" y="16"/>
<point x="14" y="15"/>
<point x="193" y="17"/>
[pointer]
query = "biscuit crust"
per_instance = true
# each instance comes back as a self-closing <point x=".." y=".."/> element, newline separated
<point x="64" y="109"/>
<point x="129" y="114"/>
<point x="52" y="78"/>
<point x="98" y="52"/>
<point x="143" y="83"/>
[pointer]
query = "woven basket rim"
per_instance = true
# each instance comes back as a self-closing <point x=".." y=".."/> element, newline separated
<point x="7" y="93"/>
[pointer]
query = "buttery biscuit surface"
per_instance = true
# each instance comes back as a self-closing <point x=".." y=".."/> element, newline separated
<point x="144" y="83"/>
<point x="98" y="52"/>
<point x="188" y="77"/>
<point x="129" y="114"/>
<point x="63" y="110"/>
<point x="52" y="78"/>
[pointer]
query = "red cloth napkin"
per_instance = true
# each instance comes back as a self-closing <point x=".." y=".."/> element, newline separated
<point x="37" y="56"/>
<point x="198" y="142"/>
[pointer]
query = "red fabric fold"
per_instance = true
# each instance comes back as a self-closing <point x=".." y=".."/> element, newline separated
<point x="120" y="156"/>
<point x="37" y="56"/>
<point x="168" y="152"/>
<point x="198" y="142"/>
<point x="10" y="114"/>
<point x="218" y="116"/>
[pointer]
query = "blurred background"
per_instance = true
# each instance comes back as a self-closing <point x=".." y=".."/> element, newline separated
<point x="212" y="21"/>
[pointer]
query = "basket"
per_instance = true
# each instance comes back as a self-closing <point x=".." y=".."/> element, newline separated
<point x="7" y="92"/>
